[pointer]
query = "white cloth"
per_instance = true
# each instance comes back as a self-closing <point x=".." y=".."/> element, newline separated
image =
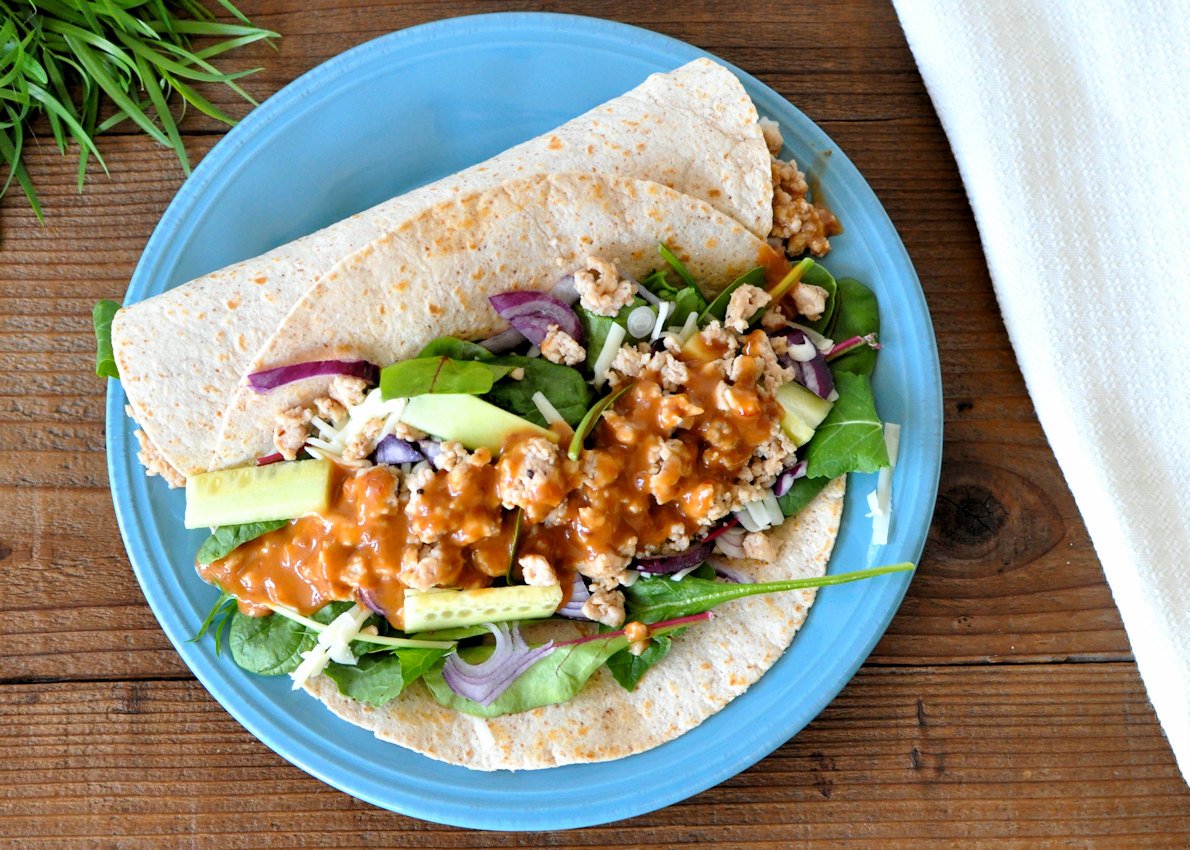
<point x="1071" y="126"/>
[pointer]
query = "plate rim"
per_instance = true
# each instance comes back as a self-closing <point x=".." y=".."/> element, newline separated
<point x="272" y="112"/>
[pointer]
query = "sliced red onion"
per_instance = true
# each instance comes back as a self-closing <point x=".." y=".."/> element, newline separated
<point x="430" y="449"/>
<point x="730" y="573"/>
<point x="579" y="594"/>
<point x="564" y="290"/>
<point x="731" y="543"/>
<point x="270" y="379"/>
<point x="841" y="348"/>
<point x="692" y="557"/>
<point x="275" y="457"/>
<point x="503" y="341"/>
<point x="731" y="522"/>
<point x="815" y="376"/>
<point x="532" y="313"/>
<point x="785" y="480"/>
<point x="484" y="682"/>
<point x="394" y="450"/>
<point x="370" y="602"/>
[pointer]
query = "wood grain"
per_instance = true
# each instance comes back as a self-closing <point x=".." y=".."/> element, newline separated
<point x="106" y="741"/>
<point x="1026" y="757"/>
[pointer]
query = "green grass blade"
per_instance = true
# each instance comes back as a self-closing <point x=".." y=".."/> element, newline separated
<point x="199" y="102"/>
<point x="52" y="106"/>
<point x="163" y="114"/>
<point x="112" y="90"/>
<point x="12" y="156"/>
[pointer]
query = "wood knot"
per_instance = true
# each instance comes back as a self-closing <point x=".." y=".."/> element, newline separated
<point x="5" y="550"/>
<point x="989" y="520"/>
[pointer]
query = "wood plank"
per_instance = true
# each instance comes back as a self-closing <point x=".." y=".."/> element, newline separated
<point x="1023" y="757"/>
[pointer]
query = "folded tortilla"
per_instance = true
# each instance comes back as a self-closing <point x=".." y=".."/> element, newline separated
<point x="433" y="275"/>
<point x="182" y="354"/>
<point x="707" y="667"/>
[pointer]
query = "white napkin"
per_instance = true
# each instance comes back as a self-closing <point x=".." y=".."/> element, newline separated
<point x="1070" y="124"/>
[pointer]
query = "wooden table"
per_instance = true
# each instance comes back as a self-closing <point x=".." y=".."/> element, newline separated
<point x="1003" y="705"/>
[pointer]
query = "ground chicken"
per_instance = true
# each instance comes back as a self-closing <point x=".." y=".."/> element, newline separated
<point x="628" y="363"/>
<point x="537" y="572"/>
<point x="404" y="431"/>
<point x="348" y="391"/>
<point x="364" y="441"/>
<point x="802" y="225"/>
<point x="770" y="458"/>
<point x="772" y="135"/>
<point x="670" y="370"/>
<point x="451" y="454"/>
<point x="560" y="347"/>
<point x="810" y="300"/>
<point x="330" y="411"/>
<point x="600" y="288"/>
<point x="424" y="568"/>
<point x="773" y="320"/>
<point x="668" y="460"/>
<point x="605" y="606"/>
<point x="155" y="464"/>
<point x="611" y="565"/>
<point x="530" y="478"/>
<point x="757" y="545"/>
<point x="744" y="302"/>
<point x="677" y="411"/>
<point x="291" y="430"/>
<point x="415" y="482"/>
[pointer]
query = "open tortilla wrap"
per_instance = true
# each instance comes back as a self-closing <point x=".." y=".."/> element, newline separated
<point x="707" y="667"/>
<point x="182" y="354"/>
<point x="433" y="275"/>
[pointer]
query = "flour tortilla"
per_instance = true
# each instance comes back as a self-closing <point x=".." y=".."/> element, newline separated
<point x="434" y="273"/>
<point x="707" y="667"/>
<point x="181" y="354"/>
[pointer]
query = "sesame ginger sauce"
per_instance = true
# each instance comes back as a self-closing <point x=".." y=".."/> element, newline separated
<point x="658" y="469"/>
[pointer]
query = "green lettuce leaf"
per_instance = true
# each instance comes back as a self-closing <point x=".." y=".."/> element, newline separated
<point x="851" y="438"/>
<point x="456" y="349"/>
<point x="438" y="374"/>
<point x="627" y="669"/>
<point x="800" y="494"/>
<point x="556" y="678"/>
<point x="379" y="678"/>
<point x="105" y="358"/>
<point x="858" y="315"/>
<point x="565" y="387"/>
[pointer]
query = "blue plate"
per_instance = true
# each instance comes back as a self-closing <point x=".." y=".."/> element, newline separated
<point x="393" y="114"/>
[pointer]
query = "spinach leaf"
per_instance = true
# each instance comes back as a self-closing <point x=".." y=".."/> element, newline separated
<point x="455" y="348"/>
<point x="800" y="494"/>
<point x="587" y="425"/>
<point x="225" y="538"/>
<point x="686" y="301"/>
<point x="595" y="327"/>
<point x="857" y="315"/>
<point x="628" y="668"/>
<point x="657" y="283"/>
<point x="817" y="275"/>
<point x="268" y="646"/>
<point x="677" y="265"/>
<point x="555" y="678"/>
<point x="423" y="375"/>
<point x="718" y="308"/>
<point x="565" y="387"/>
<point x="850" y="438"/>
<point x="660" y="598"/>
<point x="379" y="679"/>
<point x="105" y="358"/>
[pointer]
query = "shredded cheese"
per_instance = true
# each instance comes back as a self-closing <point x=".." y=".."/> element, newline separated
<point x="880" y="499"/>
<point x="615" y="337"/>
<point x="689" y="329"/>
<point x="547" y="410"/>
<point x="663" y="311"/>
<point x="334" y="644"/>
